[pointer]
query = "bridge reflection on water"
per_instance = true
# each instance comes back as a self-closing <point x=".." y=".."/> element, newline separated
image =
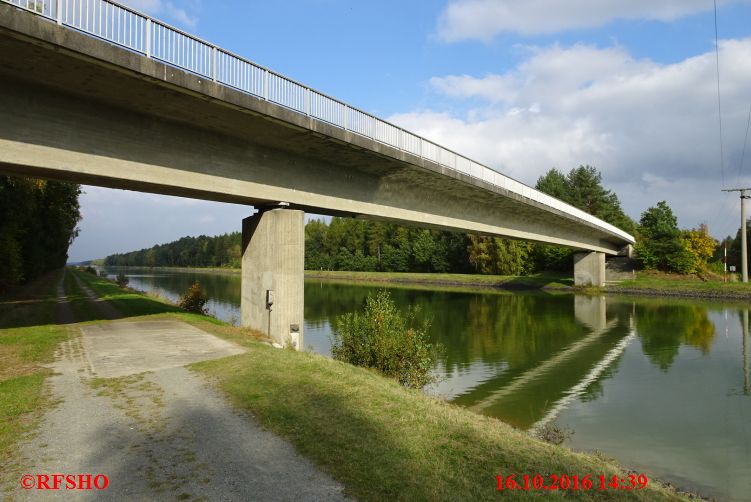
<point x="567" y="374"/>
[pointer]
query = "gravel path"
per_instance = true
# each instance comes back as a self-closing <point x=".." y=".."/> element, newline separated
<point x="157" y="430"/>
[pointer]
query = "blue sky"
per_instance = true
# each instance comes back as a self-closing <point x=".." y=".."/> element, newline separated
<point x="523" y="86"/>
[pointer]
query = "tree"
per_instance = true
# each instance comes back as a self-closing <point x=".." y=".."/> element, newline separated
<point x="554" y="183"/>
<point x="734" y="247"/>
<point x="658" y="241"/>
<point x="697" y="248"/>
<point x="38" y="221"/>
<point x="316" y="256"/>
<point x="582" y="188"/>
<point x="492" y="255"/>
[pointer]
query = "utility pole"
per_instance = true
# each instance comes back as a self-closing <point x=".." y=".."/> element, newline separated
<point x="744" y="258"/>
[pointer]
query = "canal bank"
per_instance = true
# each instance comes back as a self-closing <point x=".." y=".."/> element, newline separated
<point x="645" y="284"/>
<point x="624" y="374"/>
<point x="377" y="438"/>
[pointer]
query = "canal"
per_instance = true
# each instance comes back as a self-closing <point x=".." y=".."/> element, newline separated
<point x="660" y="385"/>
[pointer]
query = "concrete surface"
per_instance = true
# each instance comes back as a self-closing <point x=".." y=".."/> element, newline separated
<point x="273" y="260"/>
<point x="114" y="118"/>
<point x="128" y="347"/>
<point x="160" y="435"/>
<point x="589" y="269"/>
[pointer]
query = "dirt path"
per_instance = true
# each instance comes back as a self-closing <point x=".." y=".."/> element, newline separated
<point x="130" y="410"/>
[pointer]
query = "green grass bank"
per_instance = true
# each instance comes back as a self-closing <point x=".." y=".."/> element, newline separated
<point x="648" y="283"/>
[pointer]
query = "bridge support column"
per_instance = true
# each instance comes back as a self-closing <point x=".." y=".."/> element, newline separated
<point x="589" y="269"/>
<point x="272" y="275"/>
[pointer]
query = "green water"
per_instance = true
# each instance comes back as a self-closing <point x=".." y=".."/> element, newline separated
<point x="660" y="385"/>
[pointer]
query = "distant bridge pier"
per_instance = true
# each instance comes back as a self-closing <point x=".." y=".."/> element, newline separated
<point x="273" y="246"/>
<point x="589" y="269"/>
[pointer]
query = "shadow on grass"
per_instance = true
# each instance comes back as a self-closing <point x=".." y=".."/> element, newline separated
<point x="383" y="443"/>
<point x="36" y="306"/>
<point x="533" y="282"/>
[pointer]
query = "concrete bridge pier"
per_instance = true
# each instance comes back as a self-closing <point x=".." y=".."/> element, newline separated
<point x="589" y="269"/>
<point x="273" y="260"/>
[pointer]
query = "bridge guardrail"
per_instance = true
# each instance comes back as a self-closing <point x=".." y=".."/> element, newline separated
<point x="138" y="32"/>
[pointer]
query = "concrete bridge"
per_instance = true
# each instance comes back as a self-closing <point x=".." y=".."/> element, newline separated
<point x="96" y="93"/>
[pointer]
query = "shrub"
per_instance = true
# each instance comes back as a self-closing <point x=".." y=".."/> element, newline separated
<point x="122" y="280"/>
<point x="551" y="433"/>
<point x="194" y="300"/>
<point x="90" y="270"/>
<point x="382" y="338"/>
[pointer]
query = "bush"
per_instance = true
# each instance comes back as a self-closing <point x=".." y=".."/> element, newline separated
<point x="551" y="433"/>
<point x="122" y="280"/>
<point x="90" y="270"/>
<point x="194" y="300"/>
<point x="382" y="338"/>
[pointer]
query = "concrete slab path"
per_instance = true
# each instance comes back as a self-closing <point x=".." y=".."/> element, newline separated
<point x="128" y="409"/>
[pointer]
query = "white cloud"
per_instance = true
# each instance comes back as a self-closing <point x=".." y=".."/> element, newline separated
<point x="644" y="125"/>
<point x="164" y="8"/>
<point x="483" y="19"/>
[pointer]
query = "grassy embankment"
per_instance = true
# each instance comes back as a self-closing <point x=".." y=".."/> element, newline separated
<point x="381" y="441"/>
<point x="646" y="283"/>
<point x="661" y="284"/>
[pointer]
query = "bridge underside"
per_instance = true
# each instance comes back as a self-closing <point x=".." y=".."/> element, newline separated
<point x="79" y="109"/>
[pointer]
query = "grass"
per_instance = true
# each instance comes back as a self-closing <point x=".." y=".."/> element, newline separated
<point x="380" y="440"/>
<point x="23" y="352"/>
<point x="658" y="283"/>
<point x="535" y="281"/>
<point x="128" y="302"/>
<point x="384" y="442"/>
<point x="140" y="399"/>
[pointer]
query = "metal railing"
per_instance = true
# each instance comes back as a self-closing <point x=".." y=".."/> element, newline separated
<point x="138" y="32"/>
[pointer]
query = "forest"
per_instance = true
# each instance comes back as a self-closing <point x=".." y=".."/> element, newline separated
<point x="38" y="221"/>
<point x="368" y="245"/>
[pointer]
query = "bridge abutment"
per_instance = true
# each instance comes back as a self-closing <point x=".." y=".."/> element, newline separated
<point x="273" y="260"/>
<point x="589" y="269"/>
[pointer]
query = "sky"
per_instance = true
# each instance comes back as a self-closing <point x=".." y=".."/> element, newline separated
<point x="628" y="87"/>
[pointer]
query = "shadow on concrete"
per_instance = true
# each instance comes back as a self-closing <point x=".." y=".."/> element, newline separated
<point x="201" y="451"/>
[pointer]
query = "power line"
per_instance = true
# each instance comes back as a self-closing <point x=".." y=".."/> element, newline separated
<point x="719" y="100"/>
<point x="743" y="152"/>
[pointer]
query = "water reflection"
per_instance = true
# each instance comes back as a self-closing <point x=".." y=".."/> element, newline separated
<point x="744" y="328"/>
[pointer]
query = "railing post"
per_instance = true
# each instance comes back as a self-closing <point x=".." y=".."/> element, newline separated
<point x="148" y="37"/>
<point x="213" y="63"/>
<point x="307" y="101"/>
<point x="266" y="84"/>
<point x="59" y="11"/>
<point x="346" y="117"/>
